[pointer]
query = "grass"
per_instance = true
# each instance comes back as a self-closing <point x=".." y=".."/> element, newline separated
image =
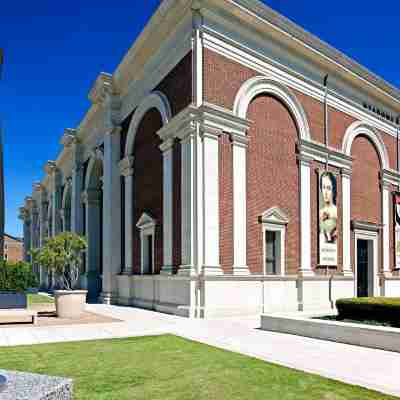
<point x="172" y="368"/>
<point x="39" y="299"/>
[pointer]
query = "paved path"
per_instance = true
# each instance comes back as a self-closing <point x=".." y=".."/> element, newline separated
<point x="375" y="369"/>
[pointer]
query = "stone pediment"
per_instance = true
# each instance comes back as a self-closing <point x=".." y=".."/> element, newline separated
<point x="274" y="215"/>
<point x="146" y="221"/>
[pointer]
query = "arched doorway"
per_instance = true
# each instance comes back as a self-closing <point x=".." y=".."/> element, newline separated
<point x="93" y="202"/>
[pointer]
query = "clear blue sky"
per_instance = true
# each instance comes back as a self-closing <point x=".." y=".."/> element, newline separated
<point x="55" y="50"/>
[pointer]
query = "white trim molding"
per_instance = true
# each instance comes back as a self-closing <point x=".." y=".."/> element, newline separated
<point x="265" y="84"/>
<point x="305" y="216"/>
<point x="147" y="227"/>
<point x="361" y="128"/>
<point x="275" y="220"/>
<point x="370" y="233"/>
<point x="126" y="170"/>
<point x="346" y="221"/>
<point x="156" y="100"/>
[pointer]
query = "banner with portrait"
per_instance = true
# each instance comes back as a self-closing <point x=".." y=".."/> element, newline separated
<point x="396" y="197"/>
<point x="328" y="215"/>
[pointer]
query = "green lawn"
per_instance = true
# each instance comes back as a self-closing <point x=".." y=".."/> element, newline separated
<point x="171" y="368"/>
<point x="39" y="299"/>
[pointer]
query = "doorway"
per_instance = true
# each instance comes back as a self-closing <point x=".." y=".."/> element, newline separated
<point x="362" y="267"/>
<point x="365" y="267"/>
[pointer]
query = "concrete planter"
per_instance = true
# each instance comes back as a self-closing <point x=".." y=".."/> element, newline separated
<point x="376" y="337"/>
<point x="70" y="303"/>
<point x="12" y="300"/>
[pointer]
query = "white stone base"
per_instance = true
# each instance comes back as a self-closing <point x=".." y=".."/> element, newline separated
<point x="390" y="286"/>
<point x="214" y="296"/>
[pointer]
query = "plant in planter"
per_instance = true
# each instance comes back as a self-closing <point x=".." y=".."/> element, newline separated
<point x="62" y="256"/>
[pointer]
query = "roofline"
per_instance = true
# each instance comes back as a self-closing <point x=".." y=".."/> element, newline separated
<point x="285" y="25"/>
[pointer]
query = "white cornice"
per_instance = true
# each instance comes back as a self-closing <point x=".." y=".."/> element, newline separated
<point x="262" y="64"/>
<point x="257" y="12"/>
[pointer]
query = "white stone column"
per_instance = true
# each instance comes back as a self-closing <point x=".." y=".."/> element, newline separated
<point x="126" y="169"/>
<point x="92" y="198"/>
<point x="210" y="190"/>
<point x="188" y="146"/>
<point x="305" y="215"/>
<point x="167" y="148"/>
<point x="76" y="194"/>
<point x="27" y="239"/>
<point x="111" y="215"/>
<point x="239" y="160"/>
<point x="346" y="215"/>
<point x="385" y="187"/>
<point x="24" y="216"/>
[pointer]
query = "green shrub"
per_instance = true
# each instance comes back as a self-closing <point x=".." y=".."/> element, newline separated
<point x="382" y="309"/>
<point x="16" y="276"/>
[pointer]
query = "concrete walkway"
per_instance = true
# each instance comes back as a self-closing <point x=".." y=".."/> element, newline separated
<point x="374" y="369"/>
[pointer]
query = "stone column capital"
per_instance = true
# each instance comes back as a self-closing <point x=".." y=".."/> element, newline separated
<point x="126" y="166"/>
<point x="167" y="144"/>
<point x="91" y="197"/>
<point x="346" y="172"/>
<point x="239" y="140"/>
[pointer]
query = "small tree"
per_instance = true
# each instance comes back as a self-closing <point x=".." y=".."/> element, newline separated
<point x="62" y="255"/>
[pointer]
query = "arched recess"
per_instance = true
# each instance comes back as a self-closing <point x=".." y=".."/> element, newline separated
<point x="149" y="167"/>
<point x="66" y="207"/>
<point x="277" y="110"/>
<point x="93" y="202"/>
<point x="362" y="128"/>
<point x="267" y="85"/>
<point x="156" y="100"/>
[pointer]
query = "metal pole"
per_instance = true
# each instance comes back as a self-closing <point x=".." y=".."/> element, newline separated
<point x="2" y="208"/>
<point x="326" y="124"/>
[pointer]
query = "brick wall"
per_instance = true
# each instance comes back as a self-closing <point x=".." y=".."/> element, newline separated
<point x="222" y="80"/>
<point x="365" y="188"/>
<point x="148" y="184"/>
<point x="226" y="203"/>
<point x="272" y="177"/>
<point x="13" y="249"/>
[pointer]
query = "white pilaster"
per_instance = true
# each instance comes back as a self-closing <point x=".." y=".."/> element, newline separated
<point x="188" y="195"/>
<point x="92" y="199"/>
<point x="305" y="216"/>
<point x="239" y="159"/>
<point x="77" y="185"/>
<point x="346" y="213"/>
<point x="385" y="230"/>
<point x="167" y="150"/>
<point x="126" y="169"/>
<point x="210" y="190"/>
<point x="24" y="216"/>
<point x="111" y="215"/>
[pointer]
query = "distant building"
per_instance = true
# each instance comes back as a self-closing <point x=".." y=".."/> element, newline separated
<point x="13" y="248"/>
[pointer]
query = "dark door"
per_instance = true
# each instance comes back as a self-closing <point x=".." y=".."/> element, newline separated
<point x="362" y="268"/>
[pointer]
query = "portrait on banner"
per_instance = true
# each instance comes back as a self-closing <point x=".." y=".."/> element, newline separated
<point x="328" y="216"/>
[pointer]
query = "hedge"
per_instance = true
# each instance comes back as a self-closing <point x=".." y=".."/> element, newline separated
<point x="16" y="276"/>
<point x="381" y="309"/>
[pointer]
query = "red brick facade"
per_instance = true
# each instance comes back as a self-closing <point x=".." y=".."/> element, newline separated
<point x="148" y="165"/>
<point x="13" y="249"/>
<point x="272" y="177"/>
<point x="148" y="184"/>
<point x="273" y="172"/>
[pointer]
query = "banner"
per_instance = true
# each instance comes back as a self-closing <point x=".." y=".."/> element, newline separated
<point x="328" y="251"/>
<point x="396" y="197"/>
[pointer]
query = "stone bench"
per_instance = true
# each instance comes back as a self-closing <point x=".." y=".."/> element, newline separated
<point x="12" y="315"/>
<point x="26" y="386"/>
